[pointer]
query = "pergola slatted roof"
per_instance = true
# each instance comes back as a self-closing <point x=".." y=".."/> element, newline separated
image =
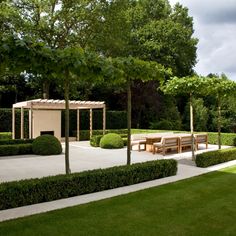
<point x="58" y="104"/>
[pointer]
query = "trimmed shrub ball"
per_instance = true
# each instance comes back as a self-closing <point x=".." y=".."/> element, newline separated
<point x="46" y="145"/>
<point x="111" y="141"/>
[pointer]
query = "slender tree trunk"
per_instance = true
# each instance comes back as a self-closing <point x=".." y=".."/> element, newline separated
<point x="67" y="118"/>
<point x="128" y="122"/>
<point x="219" y="122"/>
<point x="46" y="86"/>
<point x="191" y="126"/>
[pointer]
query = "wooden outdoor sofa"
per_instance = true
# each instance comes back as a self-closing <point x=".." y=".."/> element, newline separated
<point x="166" y="143"/>
<point x="140" y="140"/>
<point x="179" y="142"/>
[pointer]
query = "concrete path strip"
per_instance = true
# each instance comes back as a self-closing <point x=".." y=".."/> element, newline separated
<point x="185" y="171"/>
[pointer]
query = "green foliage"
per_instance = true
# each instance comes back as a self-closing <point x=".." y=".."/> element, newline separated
<point x="46" y="145"/>
<point x="215" y="157"/>
<point x="163" y="124"/>
<point x="15" y="149"/>
<point x="95" y="140"/>
<point x="228" y="139"/>
<point x="164" y="35"/>
<point x="15" y="141"/>
<point x="32" y="191"/>
<point x="111" y="141"/>
<point x="194" y="85"/>
<point x="5" y="135"/>
<point x="200" y="113"/>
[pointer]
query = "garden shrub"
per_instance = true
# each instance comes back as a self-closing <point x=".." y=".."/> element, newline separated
<point x="215" y="157"/>
<point x="32" y="191"/>
<point x="5" y="135"/>
<point x="15" y="149"/>
<point x="15" y="141"/>
<point x="95" y="140"/>
<point x="46" y="145"/>
<point x="228" y="139"/>
<point x="111" y="141"/>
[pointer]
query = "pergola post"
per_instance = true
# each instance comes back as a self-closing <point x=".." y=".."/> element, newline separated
<point x="104" y="120"/>
<point x="22" y="123"/>
<point x="13" y="123"/>
<point x="91" y="122"/>
<point x="78" y="124"/>
<point x="31" y="123"/>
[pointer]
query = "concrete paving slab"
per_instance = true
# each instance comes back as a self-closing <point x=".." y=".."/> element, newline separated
<point x="82" y="157"/>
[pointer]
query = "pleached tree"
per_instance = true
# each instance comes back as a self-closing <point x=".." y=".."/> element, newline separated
<point x="134" y="69"/>
<point x="191" y="86"/>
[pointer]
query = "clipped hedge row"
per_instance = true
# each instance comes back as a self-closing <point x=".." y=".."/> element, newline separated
<point x="5" y="135"/>
<point x="215" y="157"/>
<point x="15" y="149"/>
<point x="32" y="191"/>
<point x="15" y="141"/>
<point x="228" y="139"/>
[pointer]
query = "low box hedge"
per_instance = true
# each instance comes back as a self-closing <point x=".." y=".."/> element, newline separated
<point x="85" y="134"/>
<point x="95" y="140"/>
<point x="32" y="191"/>
<point x="15" y="149"/>
<point x="228" y="139"/>
<point x="5" y="135"/>
<point x="15" y="141"/>
<point x="215" y="157"/>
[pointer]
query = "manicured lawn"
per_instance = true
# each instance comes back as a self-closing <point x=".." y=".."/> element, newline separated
<point x="204" y="205"/>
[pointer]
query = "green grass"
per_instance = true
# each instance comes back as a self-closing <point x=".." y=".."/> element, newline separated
<point x="203" y="205"/>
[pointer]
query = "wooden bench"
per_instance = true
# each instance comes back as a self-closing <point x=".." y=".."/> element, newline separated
<point x="201" y="138"/>
<point x="138" y="139"/>
<point x="166" y="143"/>
<point x="185" y="141"/>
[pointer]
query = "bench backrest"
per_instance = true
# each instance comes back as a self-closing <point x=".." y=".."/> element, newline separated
<point x="201" y="138"/>
<point x="185" y="139"/>
<point x="170" y="141"/>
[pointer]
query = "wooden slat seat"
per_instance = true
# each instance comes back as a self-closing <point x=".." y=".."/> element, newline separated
<point x="201" y="138"/>
<point x="138" y="139"/>
<point x="185" y="141"/>
<point x="166" y="143"/>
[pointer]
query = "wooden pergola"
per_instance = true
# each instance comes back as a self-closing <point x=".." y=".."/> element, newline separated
<point x="46" y="104"/>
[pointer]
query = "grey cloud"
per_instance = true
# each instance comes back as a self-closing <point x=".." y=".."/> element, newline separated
<point x="215" y="27"/>
<point x="212" y="11"/>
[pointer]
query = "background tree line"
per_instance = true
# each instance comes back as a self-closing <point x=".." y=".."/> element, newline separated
<point x="146" y="29"/>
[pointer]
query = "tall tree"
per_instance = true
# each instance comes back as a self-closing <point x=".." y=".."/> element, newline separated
<point x="163" y="34"/>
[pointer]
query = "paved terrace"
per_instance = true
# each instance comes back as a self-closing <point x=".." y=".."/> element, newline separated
<point x="84" y="157"/>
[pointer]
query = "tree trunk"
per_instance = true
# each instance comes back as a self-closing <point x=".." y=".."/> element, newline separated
<point x="219" y="122"/>
<point x="191" y="126"/>
<point x="67" y="117"/>
<point x="128" y="123"/>
<point x="46" y="86"/>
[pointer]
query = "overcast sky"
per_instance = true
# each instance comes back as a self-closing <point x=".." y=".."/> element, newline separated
<point x="215" y="27"/>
